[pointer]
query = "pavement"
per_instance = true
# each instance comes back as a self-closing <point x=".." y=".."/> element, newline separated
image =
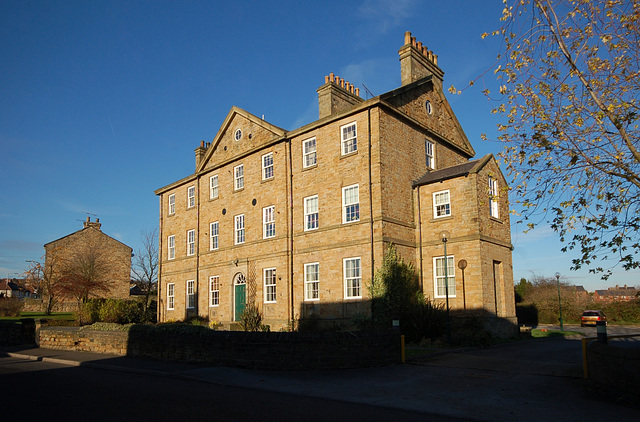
<point x="523" y="381"/>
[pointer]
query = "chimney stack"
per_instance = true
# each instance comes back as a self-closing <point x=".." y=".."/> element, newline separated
<point x="336" y="95"/>
<point x="417" y="62"/>
<point x="200" y="151"/>
<point x="95" y="224"/>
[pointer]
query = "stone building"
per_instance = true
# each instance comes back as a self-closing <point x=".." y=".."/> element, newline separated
<point x="110" y="258"/>
<point x="298" y="221"/>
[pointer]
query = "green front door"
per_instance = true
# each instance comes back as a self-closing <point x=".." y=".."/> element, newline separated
<point x="240" y="295"/>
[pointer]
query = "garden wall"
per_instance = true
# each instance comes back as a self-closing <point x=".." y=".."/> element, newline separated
<point x="264" y="350"/>
<point x="615" y="367"/>
<point x="14" y="333"/>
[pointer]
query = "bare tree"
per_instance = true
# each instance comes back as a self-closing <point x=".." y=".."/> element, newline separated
<point x="85" y="274"/>
<point x="47" y="278"/>
<point x="145" y="266"/>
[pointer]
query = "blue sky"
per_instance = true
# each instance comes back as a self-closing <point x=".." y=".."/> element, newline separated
<point x="104" y="101"/>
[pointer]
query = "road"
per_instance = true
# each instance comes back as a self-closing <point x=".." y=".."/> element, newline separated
<point x="43" y="391"/>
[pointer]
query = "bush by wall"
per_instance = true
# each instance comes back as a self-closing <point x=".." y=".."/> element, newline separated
<point x="10" y="306"/>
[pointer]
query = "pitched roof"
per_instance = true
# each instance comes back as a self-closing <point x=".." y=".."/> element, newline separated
<point x="464" y="169"/>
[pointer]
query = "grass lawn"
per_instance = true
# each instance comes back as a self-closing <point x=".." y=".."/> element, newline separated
<point x="538" y="333"/>
<point x="40" y="315"/>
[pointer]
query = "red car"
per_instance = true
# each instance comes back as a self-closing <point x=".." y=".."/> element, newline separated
<point x="591" y="317"/>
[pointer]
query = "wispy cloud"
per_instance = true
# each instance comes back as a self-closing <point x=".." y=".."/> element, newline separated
<point x="386" y="14"/>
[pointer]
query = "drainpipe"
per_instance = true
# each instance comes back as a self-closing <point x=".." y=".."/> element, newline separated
<point x="197" y="286"/>
<point x="420" y="242"/>
<point x="159" y="312"/>
<point x="371" y="201"/>
<point x="290" y="216"/>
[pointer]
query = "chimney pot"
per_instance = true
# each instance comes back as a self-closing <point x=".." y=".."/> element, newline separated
<point x="413" y="41"/>
<point x="407" y="38"/>
<point x="201" y="144"/>
<point x="332" y="77"/>
<point x="358" y="92"/>
<point x="326" y="79"/>
<point x="419" y="45"/>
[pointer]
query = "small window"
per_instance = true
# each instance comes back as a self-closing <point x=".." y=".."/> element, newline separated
<point x="309" y="153"/>
<point x="428" y="107"/>
<point x="191" y="197"/>
<point x="428" y="149"/>
<point x="311" y="213"/>
<point x="267" y="166"/>
<point x="238" y="172"/>
<point x="349" y="138"/>
<point x="191" y="242"/>
<point x="191" y="295"/>
<point x="213" y="187"/>
<point x="171" y="243"/>
<point x="350" y="204"/>
<point x="239" y="229"/>
<point x="441" y="204"/>
<point x="493" y="197"/>
<point x="172" y="204"/>
<point x="352" y="278"/>
<point x="171" y="296"/>
<point x="439" y="276"/>
<point x="270" y="285"/>
<point x="214" y="290"/>
<point x="269" y="222"/>
<point x="214" y="231"/>
<point x="238" y="134"/>
<point x="311" y="281"/>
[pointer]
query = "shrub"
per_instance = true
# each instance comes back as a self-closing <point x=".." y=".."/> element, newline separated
<point x="11" y="306"/>
<point x="251" y="318"/>
<point x="118" y="311"/>
<point x="310" y="323"/>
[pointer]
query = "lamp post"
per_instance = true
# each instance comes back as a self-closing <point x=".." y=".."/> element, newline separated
<point x="444" y="237"/>
<point x="559" y="301"/>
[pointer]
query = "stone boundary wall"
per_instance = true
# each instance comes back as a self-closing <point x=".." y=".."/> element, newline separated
<point x="271" y="350"/>
<point x="84" y="340"/>
<point x="17" y="333"/>
<point x="615" y="367"/>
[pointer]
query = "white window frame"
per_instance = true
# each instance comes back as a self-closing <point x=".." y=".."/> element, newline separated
<point x="441" y="209"/>
<point x="191" y="196"/>
<point x="214" y="291"/>
<point x="267" y="168"/>
<point x="238" y="177"/>
<point x="350" y="209"/>
<point x="191" y="242"/>
<point x="311" y="217"/>
<point x="269" y="277"/>
<point x="309" y="153"/>
<point x="239" y="230"/>
<point x="190" y="299"/>
<point x="171" y="296"/>
<point x="352" y="280"/>
<point x="439" y="290"/>
<point x="172" y="204"/>
<point x="312" y="281"/>
<point x="348" y="144"/>
<point x="429" y="148"/>
<point x="213" y="187"/>
<point x="494" y="208"/>
<point x="214" y="234"/>
<point x="171" y="247"/>
<point x="269" y="222"/>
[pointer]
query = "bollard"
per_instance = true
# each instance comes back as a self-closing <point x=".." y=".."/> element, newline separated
<point x="601" y="329"/>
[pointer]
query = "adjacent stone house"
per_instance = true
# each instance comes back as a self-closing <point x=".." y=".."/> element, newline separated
<point x="111" y="258"/>
<point x="298" y="221"/>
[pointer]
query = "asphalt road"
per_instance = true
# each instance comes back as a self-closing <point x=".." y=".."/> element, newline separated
<point x="44" y="391"/>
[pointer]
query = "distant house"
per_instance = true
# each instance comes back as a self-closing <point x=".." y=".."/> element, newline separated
<point x="616" y="294"/>
<point x="114" y="256"/>
<point x="9" y="288"/>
